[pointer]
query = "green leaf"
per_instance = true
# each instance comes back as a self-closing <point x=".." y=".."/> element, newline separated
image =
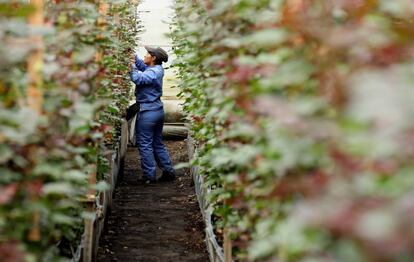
<point x="266" y="38"/>
<point x="182" y="165"/>
<point x="58" y="188"/>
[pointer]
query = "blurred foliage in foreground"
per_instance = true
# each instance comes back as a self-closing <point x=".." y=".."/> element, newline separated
<point x="303" y="111"/>
<point x="46" y="159"/>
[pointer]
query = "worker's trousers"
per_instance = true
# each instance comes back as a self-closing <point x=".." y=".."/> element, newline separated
<point x="152" y="150"/>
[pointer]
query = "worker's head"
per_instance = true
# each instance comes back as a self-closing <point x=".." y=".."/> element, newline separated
<point x="155" y="56"/>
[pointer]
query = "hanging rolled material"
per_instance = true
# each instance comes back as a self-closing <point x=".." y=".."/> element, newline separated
<point x="174" y="120"/>
<point x="173" y="111"/>
<point x="175" y="132"/>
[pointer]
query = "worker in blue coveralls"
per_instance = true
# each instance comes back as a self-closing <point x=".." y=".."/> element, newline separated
<point x="148" y="76"/>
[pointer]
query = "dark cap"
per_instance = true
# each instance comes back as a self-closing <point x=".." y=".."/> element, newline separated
<point x="158" y="52"/>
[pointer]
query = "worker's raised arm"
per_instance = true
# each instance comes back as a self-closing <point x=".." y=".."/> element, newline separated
<point x="143" y="78"/>
<point x="139" y="64"/>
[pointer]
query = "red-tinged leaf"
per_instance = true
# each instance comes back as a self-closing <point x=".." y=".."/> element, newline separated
<point x="332" y="88"/>
<point x="355" y="8"/>
<point x="293" y="8"/>
<point x="385" y="167"/>
<point x="237" y="203"/>
<point x="10" y="252"/>
<point x="309" y="185"/>
<point x="7" y="193"/>
<point x="241" y="74"/>
<point x="34" y="188"/>
<point x="196" y="119"/>
<point x="390" y="54"/>
<point x="348" y="163"/>
<point x="106" y="128"/>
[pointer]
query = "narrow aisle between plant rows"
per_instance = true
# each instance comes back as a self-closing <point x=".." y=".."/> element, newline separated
<point x="158" y="222"/>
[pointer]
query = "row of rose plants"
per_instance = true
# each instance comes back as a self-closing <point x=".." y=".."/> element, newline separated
<point x="48" y="156"/>
<point x="302" y="113"/>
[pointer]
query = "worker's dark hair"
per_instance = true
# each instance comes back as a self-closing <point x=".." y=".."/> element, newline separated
<point x="157" y="60"/>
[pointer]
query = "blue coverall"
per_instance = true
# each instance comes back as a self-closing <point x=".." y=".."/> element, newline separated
<point x="150" y="119"/>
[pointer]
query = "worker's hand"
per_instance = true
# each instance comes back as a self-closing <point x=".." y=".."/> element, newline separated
<point x="133" y="57"/>
<point x="132" y="66"/>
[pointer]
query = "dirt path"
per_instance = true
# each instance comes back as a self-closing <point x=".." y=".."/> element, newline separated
<point x="158" y="222"/>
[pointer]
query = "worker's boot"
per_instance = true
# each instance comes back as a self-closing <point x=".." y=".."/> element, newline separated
<point x="145" y="180"/>
<point x="167" y="176"/>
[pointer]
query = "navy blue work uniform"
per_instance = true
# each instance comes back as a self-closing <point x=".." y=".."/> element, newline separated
<point x="150" y="119"/>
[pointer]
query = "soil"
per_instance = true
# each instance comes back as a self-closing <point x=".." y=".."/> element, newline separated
<point x="160" y="222"/>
